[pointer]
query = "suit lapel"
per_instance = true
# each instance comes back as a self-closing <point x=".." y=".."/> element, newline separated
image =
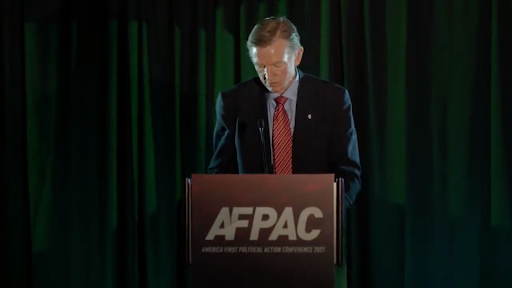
<point x="304" y="109"/>
<point x="301" y="106"/>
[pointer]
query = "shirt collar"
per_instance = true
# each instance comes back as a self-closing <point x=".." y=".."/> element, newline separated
<point x="291" y="92"/>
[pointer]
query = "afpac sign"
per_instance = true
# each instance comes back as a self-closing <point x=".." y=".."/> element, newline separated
<point x="279" y="226"/>
<point x="228" y="221"/>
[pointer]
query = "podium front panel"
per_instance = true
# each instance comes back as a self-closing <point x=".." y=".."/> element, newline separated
<point x="262" y="230"/>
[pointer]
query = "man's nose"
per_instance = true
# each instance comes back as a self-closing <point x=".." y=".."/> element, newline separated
<point x="269" y="74"/>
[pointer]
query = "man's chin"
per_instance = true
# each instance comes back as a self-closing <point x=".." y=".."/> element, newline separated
<point x="274" y="89"/>
<point x="270" y="88"/>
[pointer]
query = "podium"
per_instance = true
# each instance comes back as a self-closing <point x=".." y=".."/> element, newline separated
<point x="263" y="230"/>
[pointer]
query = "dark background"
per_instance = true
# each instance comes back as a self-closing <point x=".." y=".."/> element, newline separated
<point x="108" y="105"/>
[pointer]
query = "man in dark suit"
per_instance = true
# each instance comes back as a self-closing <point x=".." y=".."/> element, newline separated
<point x="306" y="123"/>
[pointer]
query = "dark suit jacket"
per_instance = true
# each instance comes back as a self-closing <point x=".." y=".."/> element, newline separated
<point x="326" y="143"/>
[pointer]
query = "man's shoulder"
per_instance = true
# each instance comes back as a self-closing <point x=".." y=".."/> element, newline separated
<point x="230" y="97"/>
<point x="331" y="92"/>
<point x="243" y="87"/>
<point x="318" y="83"/>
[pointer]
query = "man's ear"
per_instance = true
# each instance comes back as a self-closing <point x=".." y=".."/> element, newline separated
<point x="298" y="56"/>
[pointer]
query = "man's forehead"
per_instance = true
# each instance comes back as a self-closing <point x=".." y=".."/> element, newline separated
<point x="268" y="55"/>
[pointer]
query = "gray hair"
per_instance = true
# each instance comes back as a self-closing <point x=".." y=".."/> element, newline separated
<point x="265" y="32"/>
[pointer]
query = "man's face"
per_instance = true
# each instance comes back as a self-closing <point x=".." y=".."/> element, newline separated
<point x="275" y="64"/>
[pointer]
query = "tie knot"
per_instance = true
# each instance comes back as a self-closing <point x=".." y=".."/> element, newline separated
<point x="281" y="100"/>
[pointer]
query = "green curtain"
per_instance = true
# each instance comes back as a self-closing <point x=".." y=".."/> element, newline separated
<point x="107" y="107"/>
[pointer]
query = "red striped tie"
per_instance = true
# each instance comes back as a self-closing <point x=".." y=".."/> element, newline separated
<point x="282" y="139"/>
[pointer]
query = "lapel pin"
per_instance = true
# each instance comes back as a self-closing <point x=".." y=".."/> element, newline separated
<point x="309" y="116"/>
